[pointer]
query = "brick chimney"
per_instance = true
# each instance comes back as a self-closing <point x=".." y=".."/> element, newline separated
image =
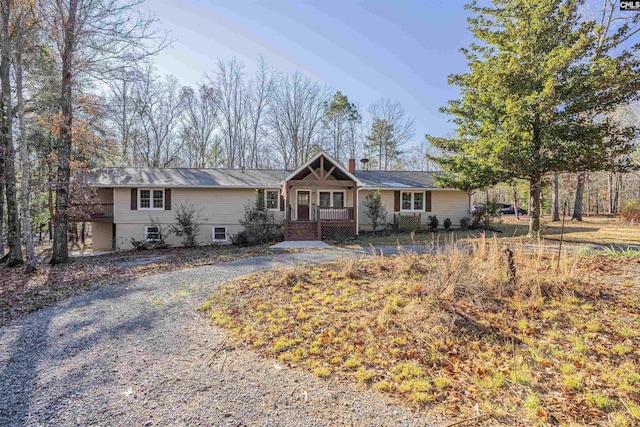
<point x="351" y="165"/>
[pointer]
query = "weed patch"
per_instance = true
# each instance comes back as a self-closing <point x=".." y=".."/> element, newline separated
<point x="453" y="332"/>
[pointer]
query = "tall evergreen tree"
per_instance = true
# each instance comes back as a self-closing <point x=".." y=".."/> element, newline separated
<point x="382" y="145"/>
<point x="339" y="114"/>
<point x="536" y="98"/>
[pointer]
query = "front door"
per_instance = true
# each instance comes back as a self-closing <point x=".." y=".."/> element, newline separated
<point x="303" y="205"/>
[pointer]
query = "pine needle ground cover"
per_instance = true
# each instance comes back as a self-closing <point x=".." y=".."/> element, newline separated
<point x="455" y="334"/>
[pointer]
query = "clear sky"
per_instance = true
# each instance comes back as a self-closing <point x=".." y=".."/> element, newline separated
<point x="403" y="49"/>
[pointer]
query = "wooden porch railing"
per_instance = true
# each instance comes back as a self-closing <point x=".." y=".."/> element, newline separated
<point x="94" y="212"/>
<point x="335" y="214"/>
<point x="103" y="211"/>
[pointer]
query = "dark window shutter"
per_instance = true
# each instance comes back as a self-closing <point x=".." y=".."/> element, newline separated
<point x="167" y="199"/>
<point x="396" y="201"/>
<point x="427" y="201"/>
<point x="282" y="203"/>
<point x="134" y="199"/>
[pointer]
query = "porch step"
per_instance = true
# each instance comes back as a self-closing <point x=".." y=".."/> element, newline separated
<point x="302" y="231"/>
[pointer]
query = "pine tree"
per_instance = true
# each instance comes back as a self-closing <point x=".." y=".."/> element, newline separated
<point x="536" y="97"/>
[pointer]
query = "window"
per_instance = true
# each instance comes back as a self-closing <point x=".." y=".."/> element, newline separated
<point x="331" y="199"/>
<point x="145" y="199"/>
<point x="338" y="200"/>
<point x="418" y="201"/>
<point x="272" y="200"/>
<point x="158" y="199"/>
<point x="151" y="199"/>
<point x="219" y="234"/>
<point x="152" y="232"/>
<point x="325" y="199"/>
<point x="412" y="201"/>
<point x="406" y="201"/>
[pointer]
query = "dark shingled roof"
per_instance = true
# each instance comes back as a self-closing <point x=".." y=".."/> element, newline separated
<point x="237" y="178"/>
<point x="186" y="177"/>
<point x="397" y="179"/>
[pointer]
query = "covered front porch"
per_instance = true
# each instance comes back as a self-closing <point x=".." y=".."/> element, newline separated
<point x="321" y="200"/>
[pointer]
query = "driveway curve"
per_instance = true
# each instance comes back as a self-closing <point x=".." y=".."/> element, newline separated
<point x="138" y="354"/>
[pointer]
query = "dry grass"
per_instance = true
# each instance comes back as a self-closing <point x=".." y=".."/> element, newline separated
<point x="448" y="332"/>
<point x="593" y="230"/>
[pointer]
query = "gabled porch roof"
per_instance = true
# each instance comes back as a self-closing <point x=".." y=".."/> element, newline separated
<point x="326" y="164"/>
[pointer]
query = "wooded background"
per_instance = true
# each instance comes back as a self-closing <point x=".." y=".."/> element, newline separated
<point x="79" y="89"/>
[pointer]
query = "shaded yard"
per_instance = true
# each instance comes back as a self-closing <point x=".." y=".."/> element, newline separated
<point x="21" y="292"/>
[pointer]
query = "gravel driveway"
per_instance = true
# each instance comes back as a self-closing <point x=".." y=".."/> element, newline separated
<point x="138" y="354"/>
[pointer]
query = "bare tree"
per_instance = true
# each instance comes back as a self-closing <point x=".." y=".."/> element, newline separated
<point x="199" y="124"/>
<point x="398" y="130"/>
<point x="258" y="98"/>
<point x="121" y="112"/>
<point x="23" y="25"/>
<point x="229" y="83"/>
<point x="14" y="257"/>
<point x="419" y="157"/>
<point x="92" y="39"/>
<point x="159" y="107"/>
<point x="296" y="118"/>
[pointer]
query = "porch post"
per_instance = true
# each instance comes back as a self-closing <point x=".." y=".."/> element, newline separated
<point x="355" y="208"/>
<point x="287" y="211"/>
<point x="319" y="235"/>
<point x="287" y="204"/>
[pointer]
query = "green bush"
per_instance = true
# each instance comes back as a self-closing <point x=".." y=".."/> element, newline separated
<point x="260" y="225"/>
<point x="464" y="223"/>
<point x="631" y="211"/>
<point x="376" y="211"/>
<point x="241" y="238"/>
<point x="145" y="244"/>
<point x="187" y="225"/>
<point x="433" y="223"/>
<point x="446" y="223"/>
<point x="486" y="215"/>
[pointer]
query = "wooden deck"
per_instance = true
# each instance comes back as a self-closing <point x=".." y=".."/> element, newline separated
<point x="94" y="213"/>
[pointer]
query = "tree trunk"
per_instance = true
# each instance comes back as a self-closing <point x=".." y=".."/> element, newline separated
<point x="25" y="185"/>
<point x="555" y="198"/>
<point x="515" y="203"/>
<point x="577" y="206"/>
<point x="610" y="191"/>
<point x="588" y="179"/>
<point x="13" y="219"/>
<point x="1" y="201"/>
<point x="61" y="225"/>
<point x="535" y="192"/>
<point x="617" y="187"/>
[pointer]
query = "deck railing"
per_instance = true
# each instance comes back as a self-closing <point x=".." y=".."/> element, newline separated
<point x="335" y="214"/>
<point x="105" y="211"/>
<point x="91" y="212"/>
